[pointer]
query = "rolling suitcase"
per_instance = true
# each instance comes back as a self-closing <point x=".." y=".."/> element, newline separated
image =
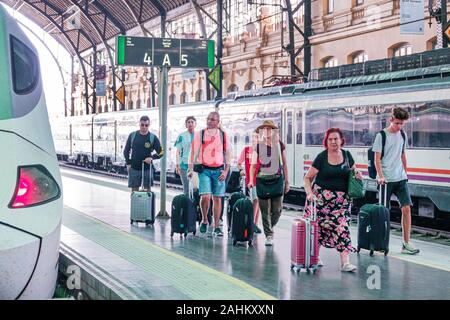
<point x="374" y="225"/>
<point x="184" y="214"/>
<point x="235" y="196"/>
<point x="305" y="241"/>
<point x="143" y="203"/>
<point x="242" y="220"/>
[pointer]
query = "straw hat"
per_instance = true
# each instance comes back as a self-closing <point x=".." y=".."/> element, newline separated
<point x="265" y="124"/>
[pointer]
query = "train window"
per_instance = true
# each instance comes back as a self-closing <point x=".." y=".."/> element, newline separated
<point x="429" y="125"/>
<point x="299" y="127"/>
<point x="289" y="127"/>
<point x="316" y="125"/>
<point x="343" y="119"/>
<point x="367" y="121"/>
<point x="25" y="70"/>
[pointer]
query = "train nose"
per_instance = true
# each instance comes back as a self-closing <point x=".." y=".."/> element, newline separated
<point x="19" y="253"/>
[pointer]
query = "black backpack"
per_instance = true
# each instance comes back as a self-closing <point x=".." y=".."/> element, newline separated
<point x="371" y="155"/>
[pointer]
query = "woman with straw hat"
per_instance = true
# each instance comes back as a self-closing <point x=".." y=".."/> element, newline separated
<point x="272" y="176"/>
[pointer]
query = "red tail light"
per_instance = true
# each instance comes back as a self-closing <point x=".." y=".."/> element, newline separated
<point x="35" y="186"/>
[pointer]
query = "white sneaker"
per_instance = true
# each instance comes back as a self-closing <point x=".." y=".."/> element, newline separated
<point x="269" y="241"/>
<point x="348" y="267"/>
<point x="320" y="263"/>
<point x="408" y="248"/>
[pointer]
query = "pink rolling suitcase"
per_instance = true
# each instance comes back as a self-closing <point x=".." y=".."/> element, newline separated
<point x="305" y="241"/>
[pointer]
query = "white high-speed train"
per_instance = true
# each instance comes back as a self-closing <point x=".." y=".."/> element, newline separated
<point x="31" y="195"/>
<point x="304" y="113"/>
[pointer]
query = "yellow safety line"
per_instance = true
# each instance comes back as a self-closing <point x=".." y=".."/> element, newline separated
<point x="226" y="277"/>
<point x="411" y="259"/>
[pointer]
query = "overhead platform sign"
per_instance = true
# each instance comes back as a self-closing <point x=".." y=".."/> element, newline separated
<point x="164" y="52"/>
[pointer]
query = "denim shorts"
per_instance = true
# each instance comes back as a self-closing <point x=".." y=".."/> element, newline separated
<point x="209" y="183"/>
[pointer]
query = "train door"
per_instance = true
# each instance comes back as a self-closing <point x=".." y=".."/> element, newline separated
<point x="288" y="139"/>
<point x="298" y="149"/>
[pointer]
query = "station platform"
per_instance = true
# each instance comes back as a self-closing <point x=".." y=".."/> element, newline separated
<point x="138" y="262"/>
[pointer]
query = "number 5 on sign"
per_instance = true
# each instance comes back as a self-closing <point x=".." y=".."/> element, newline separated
<point x="147" y="58"/>
<point x="184" y="60"/>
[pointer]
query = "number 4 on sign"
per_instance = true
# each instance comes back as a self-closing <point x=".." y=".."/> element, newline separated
<point x="147" y="59"/>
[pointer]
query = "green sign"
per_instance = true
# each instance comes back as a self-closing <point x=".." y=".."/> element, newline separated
<point x="214" y="77"/>
<point x="164" y="52"/>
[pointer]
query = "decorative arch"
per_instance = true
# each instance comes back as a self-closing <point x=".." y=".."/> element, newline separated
<point x="250" y="86"/>
<point x="199" y="95"/>
<point x="232" y="88"/>
<point x="183" y="98"/>
<point x="400" y="49"/>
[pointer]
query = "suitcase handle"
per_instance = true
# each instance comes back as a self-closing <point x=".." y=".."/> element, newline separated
<point x="191" y="190"/>
<point x="313" y="209"/>
<point x="150" y="181"/>
<point x="380" y="194"/>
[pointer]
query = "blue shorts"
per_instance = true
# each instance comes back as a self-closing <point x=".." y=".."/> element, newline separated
<point x="208" y="182"/>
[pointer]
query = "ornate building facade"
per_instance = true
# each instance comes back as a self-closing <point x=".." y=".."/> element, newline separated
<point x="343" y="32"/>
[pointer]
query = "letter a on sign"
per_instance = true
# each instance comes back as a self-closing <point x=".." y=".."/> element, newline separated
<point x="166" y="60"/>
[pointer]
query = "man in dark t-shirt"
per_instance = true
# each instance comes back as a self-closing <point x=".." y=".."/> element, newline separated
<point x="141" y="144"/>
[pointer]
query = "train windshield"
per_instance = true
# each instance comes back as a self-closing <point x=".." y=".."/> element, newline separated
<point x="25" y="71"/>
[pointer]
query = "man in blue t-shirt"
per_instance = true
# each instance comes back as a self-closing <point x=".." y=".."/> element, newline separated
<point x="391" y="170"/>
<point x="183" y="145"/>
<point x="141" y="144"/>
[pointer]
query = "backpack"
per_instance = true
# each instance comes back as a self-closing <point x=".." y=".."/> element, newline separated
<point x="371" y="155"/>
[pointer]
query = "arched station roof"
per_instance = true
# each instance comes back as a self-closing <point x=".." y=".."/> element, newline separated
<point x="100" y="20"/>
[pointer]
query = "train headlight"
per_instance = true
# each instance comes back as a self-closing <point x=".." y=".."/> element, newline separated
<point x="35" y="186"/>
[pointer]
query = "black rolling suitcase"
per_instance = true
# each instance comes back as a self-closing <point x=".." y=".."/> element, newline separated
<point x="184" y="214"/>
<point x="143" y="203"/>
<point x="235" y="196"/>
<point x="242" y="220"/>
<point x="374" y="225"/>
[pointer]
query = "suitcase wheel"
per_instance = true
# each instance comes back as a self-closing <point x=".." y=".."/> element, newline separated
<point x="250" y="243"/>
<point x="194" y="233"/>
<point x="371" y="253"/>
<point x="234" y="243"/>
<point x="292" y="266"/>
<point x="308" y="270"/>
<point x="171" y="234"/>
<point x="147" y="222"/>
<point x="185" y="234"/>
<point x="358" y="249"/>
<point x="131" y="221"/>
<point x="386" y="253"/>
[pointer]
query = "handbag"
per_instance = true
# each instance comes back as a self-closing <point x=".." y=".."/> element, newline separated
<point x="270" y="186"/>
<point x="355" y="186"/>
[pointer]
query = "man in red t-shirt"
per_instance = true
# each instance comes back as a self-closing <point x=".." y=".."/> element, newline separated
<point x="246" y="157"/>
<point x="210" y="150"/>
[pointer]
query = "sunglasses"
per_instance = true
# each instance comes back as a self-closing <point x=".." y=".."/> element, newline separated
<point x="144" y="125"/>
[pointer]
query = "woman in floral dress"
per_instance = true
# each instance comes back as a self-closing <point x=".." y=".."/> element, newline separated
<point x="330" y="172"/>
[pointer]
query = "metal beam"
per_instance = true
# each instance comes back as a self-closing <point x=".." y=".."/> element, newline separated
<point x="60" y="28"/>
